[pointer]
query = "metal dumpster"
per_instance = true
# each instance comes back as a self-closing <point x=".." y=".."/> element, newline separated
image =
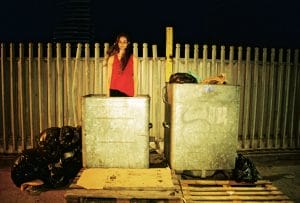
<point x="115" y="131"/>
<point x="203" y="126"/>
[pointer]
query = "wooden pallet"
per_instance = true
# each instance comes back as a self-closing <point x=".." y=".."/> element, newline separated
<point x="230" y="191"/>
<point x="76" y="194"/>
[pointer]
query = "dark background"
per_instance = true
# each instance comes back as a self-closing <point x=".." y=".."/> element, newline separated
<point x="259" y="23"/>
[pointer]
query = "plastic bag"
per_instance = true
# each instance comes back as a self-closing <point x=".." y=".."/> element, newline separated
<point x="245" y="170"/>
<point x="182" y="78"/>
<point x="29" y="165"/>
<point x="56" y="159"/>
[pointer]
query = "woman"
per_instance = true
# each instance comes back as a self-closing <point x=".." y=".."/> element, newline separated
<point x="122" y="68"/>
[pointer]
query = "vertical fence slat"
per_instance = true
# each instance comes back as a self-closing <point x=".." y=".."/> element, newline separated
<point x="163" y="84"/>
<point x="222" y="63"/>
<point x="196" y="62"/>
<point x="144" y="80"/>
<point x="50" y="87"/>
<point x="87" y="72"/>
<point x="231" y="70"/>
<point x="41" y="83"/>
<point x="104" y="72"/>
<point x="68" y="116"/>
<point x="279" y="97"/>
<point x="241" y="75"/>
<point x="263" y="97"/>
<point x="3" y="124"/>
<point x="21" y="95"/>
<point x="155" y="113"/>
<point x="186" y="58"/>
<point x="135" y="49"/>
<point x="213" y="68"/>
<point x="76" y="86"/>
<point x="31" y="94"/>
<point x="97" y="81"/>
<point x="60" y="89"/>
<point x="169" y="53"/>
<point x="205" y="73"/>
<point x="271" y="99"/>
<point x="13" y="89"/>
<point x="177" y="59"/>
<point x="286" y="99"/>
<point x="294" y="137"/>
<point x="247" y="97"/>
<point x="254" y="97"/>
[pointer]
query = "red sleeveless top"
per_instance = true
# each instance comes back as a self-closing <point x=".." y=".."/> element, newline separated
<point x="122" y="80"/>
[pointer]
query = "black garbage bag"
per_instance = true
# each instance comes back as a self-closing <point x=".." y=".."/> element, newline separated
<point x="48" y="143"/>
<point x="182" y="78"/>
<point x="69" y="138"/>
<point x="56" y="160"/>
<point x="57" y="176"/>
<point x="29" y="165"/>
<point x="245" y="170"/>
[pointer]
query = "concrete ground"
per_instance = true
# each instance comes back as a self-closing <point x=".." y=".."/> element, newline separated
<point x="283" y="172"/>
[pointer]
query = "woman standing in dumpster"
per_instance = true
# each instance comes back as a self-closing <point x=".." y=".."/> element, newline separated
<point x="122" y="68"/>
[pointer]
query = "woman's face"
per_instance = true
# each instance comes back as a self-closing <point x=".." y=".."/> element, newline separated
<point x="122" y="43"/>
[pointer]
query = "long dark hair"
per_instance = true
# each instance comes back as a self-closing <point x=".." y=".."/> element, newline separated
<point x="114" y="49"/>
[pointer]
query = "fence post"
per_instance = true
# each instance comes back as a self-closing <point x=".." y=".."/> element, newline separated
<point x="88" y="82"/>
<point x="21" y="95"/>
<point x="279" y="97"/>
<point x="271" y="104"/>
<point x="40" y="87"/>
<point x="286" y="96"/>
<point x="205" y="73"/>
<point x="222" y="62"/>
<point x="186" y="57"/>
<point x="60" y="90"/>
<point x="177" y="59"/>
<point x="13" y="102"/>
<point x="232" y="71"/>
<point x="213" y="68"/>
<point x="69" y="118"/>
<point x="294" y="100"/>
<point x="169" y="52"/>
<point x="76" y="86"/>
<point x="3" y="124"/>
<point x="196" y="61"/>
<point x="253" y="97"/>
<point x="31" y="94"/>
<point x="51" y="87"/>
<point x="246" y="104"/>
<point x="97" y="81"/>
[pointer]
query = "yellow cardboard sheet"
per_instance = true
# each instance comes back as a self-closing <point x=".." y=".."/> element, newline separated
<point x="120" y="178"/>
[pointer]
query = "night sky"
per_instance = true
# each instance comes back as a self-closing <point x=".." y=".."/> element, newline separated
<point x="262" y="23"/>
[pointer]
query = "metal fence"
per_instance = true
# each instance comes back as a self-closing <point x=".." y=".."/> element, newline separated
<point x="42" y="86"/>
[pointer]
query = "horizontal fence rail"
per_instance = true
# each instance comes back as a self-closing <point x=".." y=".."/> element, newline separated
<point x="42" y="86"/>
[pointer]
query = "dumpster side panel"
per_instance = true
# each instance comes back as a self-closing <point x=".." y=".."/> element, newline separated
<point x="203" y="126"/>
<point x="115" y="131"/>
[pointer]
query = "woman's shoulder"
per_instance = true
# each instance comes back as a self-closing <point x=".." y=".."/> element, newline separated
<point x="110" y="59"/>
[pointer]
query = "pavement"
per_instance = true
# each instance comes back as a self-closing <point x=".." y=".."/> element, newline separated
<point x="283" y="172"/>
